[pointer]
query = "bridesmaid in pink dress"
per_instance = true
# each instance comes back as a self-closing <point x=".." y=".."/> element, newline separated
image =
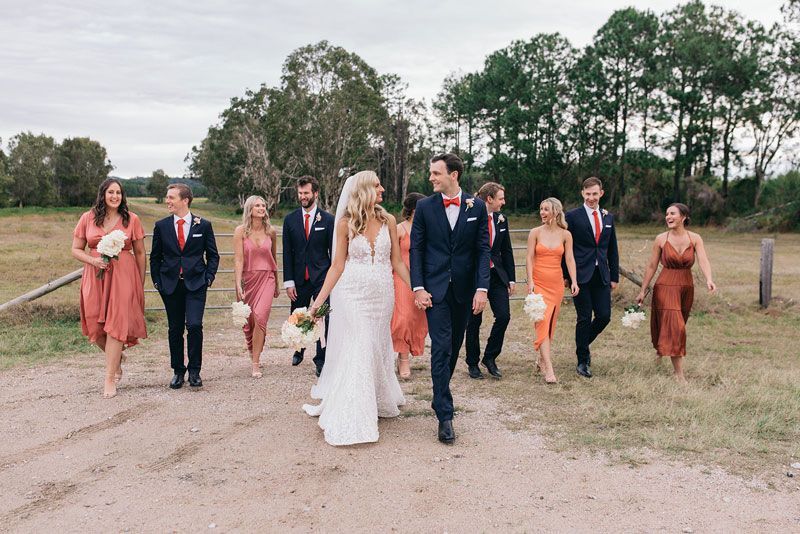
<point x="112" y="308"/>
<point x="409" y="323"/>
<point x="255" y="269"/>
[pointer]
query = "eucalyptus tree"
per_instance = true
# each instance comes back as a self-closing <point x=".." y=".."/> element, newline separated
<point x="157" y="185"/>
<point x="327" y="117"/>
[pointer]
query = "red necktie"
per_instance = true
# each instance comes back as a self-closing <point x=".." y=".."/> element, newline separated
<point x="596" y="227"/>
<point x="307" y="226"/>
<point x="451" y="201"/>
<point x="491" y="239"/>
<point x="181" y="237"/>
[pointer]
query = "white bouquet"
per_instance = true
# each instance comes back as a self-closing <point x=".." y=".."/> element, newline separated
<point x="110" y="246"/>
<point x="534" y="307"/>
<point x="240" y="313"/>
<point x="633" y="317"/>
<point x="301" y="329"/>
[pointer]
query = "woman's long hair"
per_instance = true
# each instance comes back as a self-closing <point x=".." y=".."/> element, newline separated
<point x="557" y="210"/>
<point x="247" y="216"/>
<point x="410" y="204"/>
<point x="99" y="208"/>
<point x="363" y="204"/>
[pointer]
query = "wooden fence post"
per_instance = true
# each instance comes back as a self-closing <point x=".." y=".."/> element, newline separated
<point x="765" y="281"/>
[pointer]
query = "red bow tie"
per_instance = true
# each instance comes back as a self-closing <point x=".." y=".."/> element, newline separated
<point x="452" y="201"/>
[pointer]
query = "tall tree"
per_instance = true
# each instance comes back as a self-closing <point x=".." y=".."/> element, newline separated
<point x="157" y="185"/>
<point x="81" y="164"/>
<point x="31" y="165"/>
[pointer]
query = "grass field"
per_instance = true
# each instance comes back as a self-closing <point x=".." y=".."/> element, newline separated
<point x="741" y="408"/>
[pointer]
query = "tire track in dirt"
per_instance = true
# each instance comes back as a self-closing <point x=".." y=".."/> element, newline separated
<point x="80" y="433"/>
<point x="53" y="493"/>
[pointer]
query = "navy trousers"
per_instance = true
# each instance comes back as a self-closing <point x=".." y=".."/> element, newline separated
<point x="594" y="299"/>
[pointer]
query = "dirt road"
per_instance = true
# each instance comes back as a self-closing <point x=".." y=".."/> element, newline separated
<point x="240" y="455"/>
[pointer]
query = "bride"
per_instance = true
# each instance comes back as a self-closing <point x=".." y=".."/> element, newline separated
<point x="358" y="383"/>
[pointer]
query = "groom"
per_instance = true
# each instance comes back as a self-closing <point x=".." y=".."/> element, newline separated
<point x="449" y="273"/>
<point x="594" y="244"/>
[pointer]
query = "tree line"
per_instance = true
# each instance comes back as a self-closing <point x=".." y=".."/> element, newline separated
<point x="662" y="107"/>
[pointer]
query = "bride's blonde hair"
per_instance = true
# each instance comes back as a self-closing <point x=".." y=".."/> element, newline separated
<point x="247" y="219"/>
<point x="363" y="204"/>
<point x="557" y="210"/>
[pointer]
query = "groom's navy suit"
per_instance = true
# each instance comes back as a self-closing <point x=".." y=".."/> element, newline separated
<point x="450" y="264"/>
<point x="597" y="265"/>
<point x="182" y="277"/>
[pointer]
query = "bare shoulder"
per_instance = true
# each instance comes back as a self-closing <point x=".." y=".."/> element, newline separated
<point x="662" y="238"/>
<point x="239" y="231"/>
<point x="695" y="237"/>
<point x="391" y="220"/>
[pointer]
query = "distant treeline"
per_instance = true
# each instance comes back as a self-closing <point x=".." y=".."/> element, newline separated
<point x="38" y="171"/>
<point x="662" y="107"/>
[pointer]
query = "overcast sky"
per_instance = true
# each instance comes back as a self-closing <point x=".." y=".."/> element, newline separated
<point x="146" y="78"/>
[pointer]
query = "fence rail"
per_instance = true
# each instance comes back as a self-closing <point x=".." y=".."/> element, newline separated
<point x="75" y="275"/>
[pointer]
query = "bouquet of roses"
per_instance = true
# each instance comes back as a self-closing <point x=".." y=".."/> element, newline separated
<point x="534" y="307"/>
<point x="240" y="313"/>
<point x="633" y="317"/>
<point x="109" y="247"/>
<point x="301" y="329"/>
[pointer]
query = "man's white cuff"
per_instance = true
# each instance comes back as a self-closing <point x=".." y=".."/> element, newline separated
<point x="288" y="283"/>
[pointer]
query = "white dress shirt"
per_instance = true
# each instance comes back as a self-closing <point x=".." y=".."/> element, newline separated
<point x="311" y="221"/>
<point x="590" y="213"/>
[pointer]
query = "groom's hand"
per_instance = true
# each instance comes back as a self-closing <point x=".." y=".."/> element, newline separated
<point x="422" y="299"/>
<point x="479" y="302"/>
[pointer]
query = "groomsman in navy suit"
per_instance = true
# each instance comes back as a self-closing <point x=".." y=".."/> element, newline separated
<point x="183" y="264"/>
<point x="449" y="273"/>
<point x="307" y="242"/>
<point x="594" y="244"/>
<point x="501" y="285"/>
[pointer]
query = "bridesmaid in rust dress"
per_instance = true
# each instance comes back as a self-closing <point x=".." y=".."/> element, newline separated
<point x="547" y="244"/>
<point x="112" y="308"/>
<point x="673" y="292"/>
<point x="255" y="270"/>
<point x="409" y="323"/>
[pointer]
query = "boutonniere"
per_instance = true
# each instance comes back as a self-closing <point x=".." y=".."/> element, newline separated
<point x="604" y="212"/>
<point x="196" y="220"/>
<point x="470" y="202"/>
<point x="501" y="218"/>
<point x="318" y="218"/>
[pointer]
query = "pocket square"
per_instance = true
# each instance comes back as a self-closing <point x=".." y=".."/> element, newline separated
<point x="608" y="226"/>
<point x="472" y="219"/>
<point x="317" y="228"/>
<point x="502" y="230"/>
<point x="197" y="235"/>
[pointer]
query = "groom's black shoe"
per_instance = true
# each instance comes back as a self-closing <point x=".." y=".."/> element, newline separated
<point x="194" y="380"/>
<point x="297" y="358"/>
<point x="177" y="381"/>
<point x="492" y="368"/>
<point x="446" y="433"/>
<point x="475" y="372"/>
<point x="318" y="371"/>
<point x="583" y="370"/>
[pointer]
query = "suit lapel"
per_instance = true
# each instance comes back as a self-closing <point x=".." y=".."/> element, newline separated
<point x="441" y="214"/>
<point x="588" y="220"/>
<point x="169" y="230"/>
<point x="189" y="231"/>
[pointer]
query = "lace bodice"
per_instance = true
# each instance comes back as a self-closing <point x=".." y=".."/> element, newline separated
<point x="360" y="251"/>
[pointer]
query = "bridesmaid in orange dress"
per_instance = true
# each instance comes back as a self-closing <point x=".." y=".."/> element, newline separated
<point x="255" y="270"/>
<point x="673" y="292"/>
<point x="409" y="323"/>
<point x="112" y="308"/>
<point x="547" y="244"/>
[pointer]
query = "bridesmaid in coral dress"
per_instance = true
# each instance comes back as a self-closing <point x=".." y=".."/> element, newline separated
<point x="409" y="323"/>
<point x="112" y="308"/>
<point x="255" y="270"/>
<point x="673" y="292"/>
<point x="547" y="244"/>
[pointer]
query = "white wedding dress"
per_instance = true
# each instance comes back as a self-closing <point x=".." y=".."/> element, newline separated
<point x="358" y="382"/>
